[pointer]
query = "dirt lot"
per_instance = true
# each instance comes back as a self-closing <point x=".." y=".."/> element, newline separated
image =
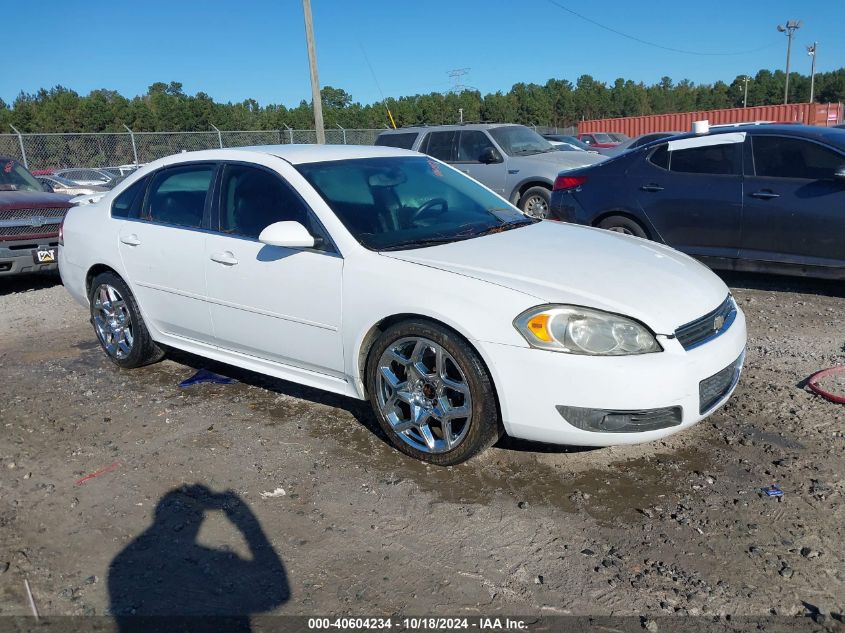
<point x="674" y="527"/>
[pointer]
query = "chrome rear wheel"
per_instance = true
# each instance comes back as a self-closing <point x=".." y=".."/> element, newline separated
<point x="112" y="321"/>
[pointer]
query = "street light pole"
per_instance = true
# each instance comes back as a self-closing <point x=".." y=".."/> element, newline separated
<point x="745" y="98"/>
<point x="811" y="51"/>
<point x="790" y="28"/>
<point x="315" y="82"/>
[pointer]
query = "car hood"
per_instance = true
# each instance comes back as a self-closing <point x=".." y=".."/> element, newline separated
<point x="565" y="263"/>
<point x="562" y="160"/>
<point x="32" y="200"/>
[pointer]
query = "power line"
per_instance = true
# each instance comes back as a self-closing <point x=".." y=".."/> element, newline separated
<point x="654" y="44"/>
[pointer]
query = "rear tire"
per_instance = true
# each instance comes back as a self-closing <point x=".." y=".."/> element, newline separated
<point x="535" y="202"/>
<point x="427" y="384"/>
<point x="118" y="324"/>
<point x="623" y="224"/>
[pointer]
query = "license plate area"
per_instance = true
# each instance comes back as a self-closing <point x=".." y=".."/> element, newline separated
<point x="44" y="255"/>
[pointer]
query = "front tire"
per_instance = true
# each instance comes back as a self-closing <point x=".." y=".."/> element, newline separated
<point x="535" y="202"/>
<point x="118" y="324"/>
<point x="431" y="393"/>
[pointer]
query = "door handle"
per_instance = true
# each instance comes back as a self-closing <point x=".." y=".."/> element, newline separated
<point x="130" y="240"/>
<point x="765" y="195"/>
<point x="652" y="186"/>
<point x="226" y="258"/>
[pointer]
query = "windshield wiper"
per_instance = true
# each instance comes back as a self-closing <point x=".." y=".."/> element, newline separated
<point x="427" y="241"/>
<point x="507" y="226"/>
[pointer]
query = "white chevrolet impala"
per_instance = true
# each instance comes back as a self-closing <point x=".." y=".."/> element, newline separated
<point x="386" y="275"/>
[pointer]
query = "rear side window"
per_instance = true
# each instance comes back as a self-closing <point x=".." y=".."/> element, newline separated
<point x="441" y="145"/>
<point x="402" y="141"/>
<point x="660" y="157"/>
<point x="128" y="204"/>
<point x="782" y="157"/>
<point x="710" y="159"/>
<point x="177" y="196"/>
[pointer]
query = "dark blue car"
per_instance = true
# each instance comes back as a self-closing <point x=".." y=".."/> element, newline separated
<point x="760" y="198"/>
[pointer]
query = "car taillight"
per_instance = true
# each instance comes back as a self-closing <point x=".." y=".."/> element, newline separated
<point x="568" y="182"/>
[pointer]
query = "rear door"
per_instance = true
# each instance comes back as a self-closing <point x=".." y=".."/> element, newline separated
<point x="471" y="144"/>
<point x="163" y="251"/>
<point x="794" y="208"/>
<point x="691" y="192"/>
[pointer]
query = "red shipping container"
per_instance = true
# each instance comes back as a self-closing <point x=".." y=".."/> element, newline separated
<point x="809" y="113"/>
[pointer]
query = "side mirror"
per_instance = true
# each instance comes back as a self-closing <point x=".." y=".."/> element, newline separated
<point x="287" y="235"/>
<point x="839" y="174"/>
<point x="490" y="155"/>
<point x="46" y="186"/>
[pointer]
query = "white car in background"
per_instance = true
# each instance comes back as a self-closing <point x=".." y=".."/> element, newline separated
<point x="383" y="274"/>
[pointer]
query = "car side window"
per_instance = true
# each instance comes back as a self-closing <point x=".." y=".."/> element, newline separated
<point x="660" y="157"/>
<point x="251" y="199"/>
<point x="783" y="157"/>
<point x="177" y="195"/>
<point x="709" y="159"/>
<point x="441" y="145"/>
<point x="472" y="145"/>
<point x="128" y="203"/>
<point x="402" y="141"/>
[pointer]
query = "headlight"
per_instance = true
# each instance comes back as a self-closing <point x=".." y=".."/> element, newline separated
<point x="577" y="330"/>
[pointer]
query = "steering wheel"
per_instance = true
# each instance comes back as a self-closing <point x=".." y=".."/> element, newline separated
<point x="425" y="207"/>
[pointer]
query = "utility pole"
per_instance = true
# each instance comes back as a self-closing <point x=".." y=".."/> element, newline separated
<point x="315" y="82"/>
<point x="461" y="114"/>
<point x="790" y="28"/>
<point x="745" y="98"/>
<point x="811" y="51"/>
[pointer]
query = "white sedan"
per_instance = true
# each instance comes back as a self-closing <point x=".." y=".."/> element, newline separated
<point x="386" y="275"/>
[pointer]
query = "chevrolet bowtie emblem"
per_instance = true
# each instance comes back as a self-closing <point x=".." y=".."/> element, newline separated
<point x="718" y="322"/>
<point x="37" y="220"/>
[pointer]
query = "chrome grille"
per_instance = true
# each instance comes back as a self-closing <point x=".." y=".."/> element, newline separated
<point x="24" y="214"/>
<point x="48" y="228"/>
<point x="709" y="326"/>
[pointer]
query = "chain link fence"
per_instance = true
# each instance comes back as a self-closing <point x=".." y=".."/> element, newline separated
<point x="110" y="149"/>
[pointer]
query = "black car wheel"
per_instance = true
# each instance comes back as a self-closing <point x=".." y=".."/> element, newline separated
<point x="535" y="202"/>
<point x="622" y="224"/>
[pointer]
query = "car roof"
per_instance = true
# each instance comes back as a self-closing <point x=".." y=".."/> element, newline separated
<point x="450" y="126"/>
<point x="825" y="134"/>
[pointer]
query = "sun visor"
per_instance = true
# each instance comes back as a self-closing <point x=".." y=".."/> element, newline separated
<point x="704" y="141"/>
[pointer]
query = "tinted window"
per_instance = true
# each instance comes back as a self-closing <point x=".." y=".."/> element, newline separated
<point x="660" y="157"/>
<point x="252" y="199"/>
<point x="441" y="145"/>
<point x="472" y="144"/>
<point x="780" y="157"/>
<point x="710" y="159"/>
<point x="177" y="196"/>
<point x="15" y="177"/>
<point x="128" y="204"/>
<point x="402" y="141"/>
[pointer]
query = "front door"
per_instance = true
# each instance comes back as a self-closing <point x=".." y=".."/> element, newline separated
<point x="163" y="251"/>
<point x="471" y="145"/>
<point x="794" y="208"/>
<point x="273" y="303"/>
<point x="691" y="191"/>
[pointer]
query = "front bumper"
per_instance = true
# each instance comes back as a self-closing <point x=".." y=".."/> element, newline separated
<point x="16" y="258"/>
<point x="535" y="386"/>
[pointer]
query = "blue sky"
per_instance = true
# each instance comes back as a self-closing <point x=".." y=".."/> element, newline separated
<point x="256" y="48"/>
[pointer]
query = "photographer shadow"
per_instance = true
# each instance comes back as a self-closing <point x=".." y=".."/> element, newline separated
<point x="165" y="580"/>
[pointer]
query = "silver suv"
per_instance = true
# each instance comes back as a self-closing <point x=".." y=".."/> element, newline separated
<point x="512" y="160"/>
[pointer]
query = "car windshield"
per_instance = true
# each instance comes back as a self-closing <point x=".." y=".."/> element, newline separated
<point x="397" y="203"/>
<point x="603" y="138"/>
<point x="15" y="177"/>
<point x="574" y="141"/>
<point x="518" y="140"/>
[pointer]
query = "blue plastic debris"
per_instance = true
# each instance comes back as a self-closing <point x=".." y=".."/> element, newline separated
<point x="203" y="375"/>
<point x="772" y="491"/>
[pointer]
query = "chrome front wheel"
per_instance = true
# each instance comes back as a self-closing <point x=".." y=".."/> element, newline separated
<point x="112" y="321"/>
<point x="424" y="395"/>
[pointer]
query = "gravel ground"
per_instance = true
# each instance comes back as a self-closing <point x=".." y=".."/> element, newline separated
<point x="351" y="526"/>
